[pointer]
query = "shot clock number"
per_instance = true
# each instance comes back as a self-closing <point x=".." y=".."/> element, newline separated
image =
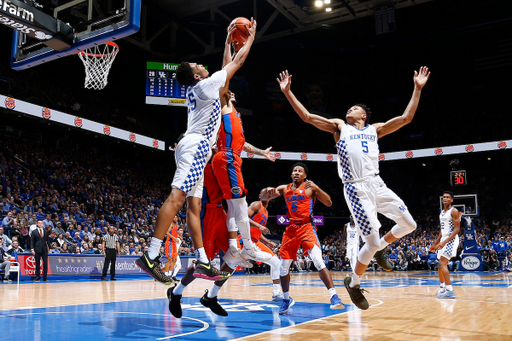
<point x="458" y="178"/>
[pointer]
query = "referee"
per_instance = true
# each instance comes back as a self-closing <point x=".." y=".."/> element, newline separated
<point x="110" y="249"/>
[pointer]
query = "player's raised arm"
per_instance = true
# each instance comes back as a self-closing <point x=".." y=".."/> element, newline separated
<point x="420" y="79"/>
<point x="228" y="57"/>
<point x="322" y="123"/>
<point x="266" y="153"/>
<point x="242" y="54"/>
<point x="270" y="193"/>
<point x="319" y="194"/>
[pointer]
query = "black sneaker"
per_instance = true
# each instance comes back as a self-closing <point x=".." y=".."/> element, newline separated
<point x="383" y="261"/>
<point x="175" y="279"/>
<point x="209" y="272"/>
<point x="152" y="268"/>
<point x="174" y="303"/>
<point x="213" y="304"/>
<point x="356" y="294"/>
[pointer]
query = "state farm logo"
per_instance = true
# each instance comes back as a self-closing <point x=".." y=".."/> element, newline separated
<point x="409" y="154"/>
<point x="502" y="145"/>
<point x="278" y="155"/>
<point x="106" y="130"/>
<point x="47" y="113"/>
<point x="78" y="122"/>
<point x="438" y="151"/>
<point x="155" y="143"/>
<point x="329" y="157"/>
<point x="471" y="263"/>
<point x="470" y="148"/>
<point x="133" y="137"/>
<point x="10" y="103"/>
<point x="250" y="155"/>
<point x="382" y="157"/>
<point x="303" y="156"/>
<point x="30" y="262"/>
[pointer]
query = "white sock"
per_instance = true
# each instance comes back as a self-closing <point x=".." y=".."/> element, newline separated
<point x="233" y="245"/>
<point x="443" y="285"/>
<point x="286" y="295"/>
<point x="276" y="289"/>
<point x="154" y="248"/>
<point x="179" y="289"/>
<point x="247" y="243"/>
<point x="201" y="255"/>
<point x="175" y="271"/>
<point x="332" y="292"/>
<point x="214" y="291"/>
<point x="449" y="287"/>
<point x="383" y="244"/>
<point x="356" y="279"/>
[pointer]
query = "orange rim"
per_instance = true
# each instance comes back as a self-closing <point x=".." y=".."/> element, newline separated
<point x="116" y="48"/>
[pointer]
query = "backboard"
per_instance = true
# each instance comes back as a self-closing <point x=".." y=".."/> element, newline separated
<point x="93" y="22"/>
<point x="465" y="203"/>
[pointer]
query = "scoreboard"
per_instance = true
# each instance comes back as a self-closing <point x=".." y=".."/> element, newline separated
<point x="161" y="85"/>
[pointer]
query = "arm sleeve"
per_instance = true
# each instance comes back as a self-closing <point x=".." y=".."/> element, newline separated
<point x="209" y="88"/>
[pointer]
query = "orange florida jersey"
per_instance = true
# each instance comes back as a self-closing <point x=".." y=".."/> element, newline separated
<point x="300" y="206"/>
<point x="261" y="218"/>
<point x="231" y="132"/>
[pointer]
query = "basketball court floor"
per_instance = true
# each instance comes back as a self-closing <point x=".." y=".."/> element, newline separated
<point x="403" y="307"/>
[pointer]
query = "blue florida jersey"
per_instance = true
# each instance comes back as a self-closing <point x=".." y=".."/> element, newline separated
<point x="358" y="153"/>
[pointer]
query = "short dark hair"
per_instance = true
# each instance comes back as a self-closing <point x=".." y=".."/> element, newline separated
<point x="367" y="111"/>
<point x="301" y="165"/>
<point x="449" y="192"/>
<point x="185" y="75"/>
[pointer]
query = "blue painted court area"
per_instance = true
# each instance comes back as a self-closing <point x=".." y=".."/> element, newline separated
<point x="151" y="320"/>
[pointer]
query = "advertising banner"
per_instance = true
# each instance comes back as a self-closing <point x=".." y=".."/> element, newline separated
<point x="283" y="220"/>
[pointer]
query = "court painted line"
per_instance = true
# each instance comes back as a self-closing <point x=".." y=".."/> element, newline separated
<point x="283" y="332"/>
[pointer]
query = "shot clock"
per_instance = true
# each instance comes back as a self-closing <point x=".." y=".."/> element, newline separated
<point x="458" y="178"/>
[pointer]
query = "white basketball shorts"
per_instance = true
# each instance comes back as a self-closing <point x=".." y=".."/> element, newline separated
<point x="450" y="249"/>
<point x="367" y="197"/>
<point x="192" y="154"/>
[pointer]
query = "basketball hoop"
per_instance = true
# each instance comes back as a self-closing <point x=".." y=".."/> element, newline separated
<point x="97" y="61"/>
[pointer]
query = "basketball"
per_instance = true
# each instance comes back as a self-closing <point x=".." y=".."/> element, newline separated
<point x="241" y="32"/>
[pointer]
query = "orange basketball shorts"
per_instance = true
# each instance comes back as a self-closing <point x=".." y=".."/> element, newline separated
<point x="215" y="232"/>
<point x="227" y="168"/>
<point x="296" y="235"/>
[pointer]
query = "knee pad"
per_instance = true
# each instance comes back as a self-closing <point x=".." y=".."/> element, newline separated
<point x="316" y="256"/>
<point x="365" y="255"/>
<point x="275" y="266"/>
<point x="372" y="243"/>
<point x="404" y="225"/>
<point x="285" y="267"/>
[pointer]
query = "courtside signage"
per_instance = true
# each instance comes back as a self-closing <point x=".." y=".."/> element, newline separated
<point x="80" y="123"/>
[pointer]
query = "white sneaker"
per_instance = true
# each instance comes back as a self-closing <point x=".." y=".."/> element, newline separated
<point x="440" y="292"/>
<point x="234" y="254"/>
<point x="256" y="254"/>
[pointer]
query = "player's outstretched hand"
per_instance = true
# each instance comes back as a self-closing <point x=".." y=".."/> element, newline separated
<point x="252" y="30"/>
<point x="269" y="155"/>
<point x="285" y="81"/>
<point x="432" y="248"/>
<point x="421" y="78"/>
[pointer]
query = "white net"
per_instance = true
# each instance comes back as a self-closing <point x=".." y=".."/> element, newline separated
<point x="97" y="61"/>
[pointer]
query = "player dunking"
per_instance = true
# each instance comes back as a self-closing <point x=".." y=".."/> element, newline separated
<point x="216" y="237"/>
<point x="358" y="167"/>
<point x="192" y="154"/>
<point x="352" y="242"/>
<point x="300" y="197"/>
<point x="227" y="166"/>
<point x="446" y="244"/>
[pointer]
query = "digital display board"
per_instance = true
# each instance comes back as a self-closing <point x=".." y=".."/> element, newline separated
<point x="161" y="85"/>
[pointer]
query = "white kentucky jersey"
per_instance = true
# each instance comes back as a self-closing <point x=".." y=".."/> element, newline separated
<point x="447" y="225"/>
<point x="358" y="153"/>
<point x="352" y="236"/>
<point x="203" y="102"/>
<point x="178" y="242"/>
